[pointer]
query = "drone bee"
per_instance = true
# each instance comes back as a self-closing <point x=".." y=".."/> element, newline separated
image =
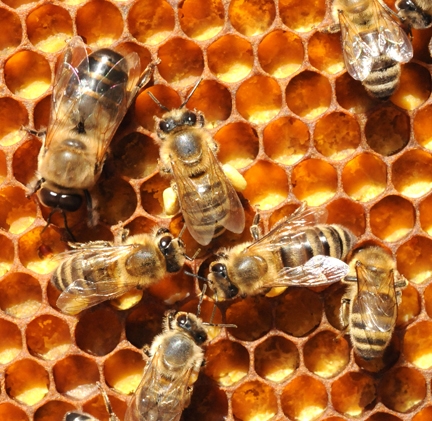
<point x="373" y="44"/>
<point x="299" y="251"/>
<point x="98" y="271"/>
<point x="91" y="95"/>
<point x="207" y="198"/>
<point x="369" y="307"/>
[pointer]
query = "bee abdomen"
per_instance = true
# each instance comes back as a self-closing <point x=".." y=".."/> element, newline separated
<point x="383" y="82"/>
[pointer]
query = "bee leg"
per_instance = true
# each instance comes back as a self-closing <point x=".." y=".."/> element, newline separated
<point x="331" y="29"/>
<point x="147" y="74"/>
<point x="37" y="133"/>
<point x="34" y="188"/>
<point x="112" y="416"/>
<point x="170" y="201"/>
<point x="92" y="215"/>
<point x="254" y="229"/>
<point x="344" y="312"/>
<point x="146" y="351"/>
<point x="69" y="232"/>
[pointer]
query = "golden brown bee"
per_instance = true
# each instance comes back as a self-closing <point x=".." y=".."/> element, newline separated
<point x="369" y="307"/>
<point x="188" y="153"/>
<point x="299" y="251"/>
<point x="373" y="45"/>
<point x="416" y="13"/>
<point x="100" y="270"/>
<point x="90" y="97"/>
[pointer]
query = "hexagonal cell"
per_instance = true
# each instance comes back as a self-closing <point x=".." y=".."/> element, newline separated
<point x="347" y="213"/>
<point x="75" y="376"/>
<point x="281" y="53"/>
<point x="412" y="173"/>
<point x="414" y="88"/>
<point x="13" y="116"/>
<point x="258" y="322"/>
<point x="11" y="412"/>
<point x="173" y="288"/>
<point x="99" y="23"/>
<point x="151" y="21"/>
<point x="364" y="177"/>
<point x="352" y="393"/>
<point x="383" y="416"/>
<point x="334" y="419"/>
<point x="392" y="218"/>
<point x="423" y="127"/>
<point x="304" y="398"/>
<point x="238" y="144"/>
<point x="428" y="300"/>
<point x="387" y="131"/>
<point x="276" y="359"/>
<point x="48" y="337"/>
<point x="143" y="53"/>
<point x="410" y="306"/>
<point x="11" y="35"/>
<point x="200" y="19"/>
<point x="11" y="343"/>
<point x="49" y="27"/>
<point x="32" y="82"/>
<point x="123" y="370"/>
<point x="286" y="140"/>
<point x="227" y="362"/>
<point x="337" y="135"/>
<point x="413" y="259"/>
<point x="230" y="58"/>
<point x="141" y="225"/>
<point x="302" y="16"/>
<point x="251" y="17"/>
<point x="298" y="312"/>
<point x="20" y="295"/>
<point x="259" y="99"/>
<point x="332" y="304"/>
<point x="326" y="355"/>
<point x="41" y="113"/>
<point x="7" y="254"/>
<point x="418" y="345"/>
<point x="402" y="389"/>
<point x="97" y="407"/>
<point x="181" y="61"/>
<point x="52" y="410"/>
<point x="151" y="195"/>
<point x="254" y="400"/>
<point x="3" y="167"/>
<point x="424" y="415"/>
<point x="314" y="181"/>
<point x="26" y="381"/>
<point x="301" y="94"/>
<point x="267" y="185"/>
<point x="25" y="161"/>
<point x="325" y="52"/>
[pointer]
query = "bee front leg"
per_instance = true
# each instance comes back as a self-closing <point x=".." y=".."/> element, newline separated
<point x="331" y="29"/>
<point x="344" y="313"/>
<point x="255" y="229"/>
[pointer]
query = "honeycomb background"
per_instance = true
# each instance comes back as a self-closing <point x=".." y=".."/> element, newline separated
<point x="286" y="114"/>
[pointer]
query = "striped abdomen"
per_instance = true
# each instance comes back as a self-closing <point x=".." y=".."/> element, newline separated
<point x="383" y="79"/>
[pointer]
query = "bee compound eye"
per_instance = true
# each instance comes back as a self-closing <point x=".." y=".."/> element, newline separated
<point x="165" y="243"/>
<point x="167" y="125"/>
<point x="182" y="320"/>
<point x="232" y="290"/>
<point x="220" y="269"/>
<point x="189" y="118"/>
<point x="407" y="5"/>
<point x="70" y="202"/>
<point x="66" y="202"/>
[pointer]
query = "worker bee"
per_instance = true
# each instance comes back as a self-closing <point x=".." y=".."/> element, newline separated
<point x="373" y="44"/>
<point x="416" y="13"/>
<point x="90" y="97"/>
<point x="188" y="153"/>
<point x="100" y="270"/>
<point x="369" y="307"/>
<point x="299" y="251"/>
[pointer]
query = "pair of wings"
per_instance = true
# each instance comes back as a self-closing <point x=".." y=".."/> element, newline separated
<point x="220" y="206"/>
<point x="360" y="50"/>
<point x="69" y="88"/>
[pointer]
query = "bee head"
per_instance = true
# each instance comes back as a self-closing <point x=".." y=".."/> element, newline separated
<point x="192" y="325"/>
<point x="172" y="249"/>
<point x="220" y="281"/>
<point x="69" y="202"/>
<point x="414" y="16"/>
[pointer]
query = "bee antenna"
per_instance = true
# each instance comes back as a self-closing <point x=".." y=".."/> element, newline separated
<point x="191" y="259"/>
<point x="107" y="402"/>
<point x="157" y="101"/>
<point x="194" y="275"/>
<point x="201" y="299"/>
<point x="191" y="92"/>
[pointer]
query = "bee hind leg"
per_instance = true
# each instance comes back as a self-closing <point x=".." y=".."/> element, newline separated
<point x="255" y="229"/>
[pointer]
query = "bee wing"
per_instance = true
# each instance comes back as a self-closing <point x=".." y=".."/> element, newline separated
<point x="195" y="202"/>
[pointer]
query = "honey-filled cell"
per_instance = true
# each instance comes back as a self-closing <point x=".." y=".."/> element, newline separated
<point x="392" y="218"/>
<point x="48" y="337"/>
<point x="412" y="173"/>
<point x="151" y="195"/>
<point x="302" y="15"/>
<point x="414" y="88"/>
<point x="347" y="213"/>
<point x="254" y="400"/>
<point x="413" y="259"/>
<point x="26" y="381"/>
<point x="259" y="99"/>
<point x="410" y="306"/>
<point x="13" y="116"/>
<point x="181" y="61"/>
<point x="402" y="389"/>
<point x="52" y="410"/>
<point x="423" y="415"/>
<point x="251" y="17"/>
<point x="276" y="359"/>
<point x="314" y="181"/>
<point x="32" y="82"/>
<point x="151" y="21"/>
<point x="201" y="19"/>
<point x="281" y="53"/>
<point x="123" y="370"/>
<point x="12" y="412"/>
<point x="301" y="94"/>
<point x="11" y="343"/>
<point x="11" y="34"/>
<point x="286" y="140"/>
<point x="49" y="27"/>
<point x="7" y="254"/>
<point x="304" y="398"/>
<point x="325" y="52"/>
<point x="267" y="185"/>
<point x="417" y="345"/>
<point x="364" y="177"/>
<point x="230" y="58"/>
<point x="422" y="126"/>
<point x="337" y="135"/>
<point x="25" y="161"/>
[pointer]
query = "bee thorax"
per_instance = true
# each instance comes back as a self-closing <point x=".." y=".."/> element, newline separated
<point x="178" y="351"/>
<point x="142" y="262"/>
<point x="187" y="146"/>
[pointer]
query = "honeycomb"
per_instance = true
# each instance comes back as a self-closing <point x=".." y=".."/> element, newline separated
<point x="287" y="115"/>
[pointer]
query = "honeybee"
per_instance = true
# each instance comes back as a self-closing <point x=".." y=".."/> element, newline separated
<point x="188" y="153"/>
<point x="90" y="97"/>
<point x="298" y="251"/>
<point x="100" y="270"/>
<point x="369" y="307"/>
<point x="416" y="13"/>
<point x="373" y="44"/>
